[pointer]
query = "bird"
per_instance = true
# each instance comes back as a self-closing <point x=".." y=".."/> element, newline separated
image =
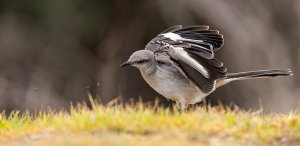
<point x="180" y="64"/>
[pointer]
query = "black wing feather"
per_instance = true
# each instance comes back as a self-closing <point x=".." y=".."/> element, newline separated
<point x="172" y="29"/>
<point x="205" y="84"/>
<point x="214" y="67"/>
<point x="207" y="36"/>
<point x="195" y="28"/>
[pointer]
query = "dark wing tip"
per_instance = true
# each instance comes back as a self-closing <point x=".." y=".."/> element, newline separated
<point x="172" y="29"/>
<point x="195" y="28"/>
<point x="202" y="33"/>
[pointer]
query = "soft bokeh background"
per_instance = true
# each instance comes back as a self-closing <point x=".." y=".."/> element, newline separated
<point x="53" y="52"/>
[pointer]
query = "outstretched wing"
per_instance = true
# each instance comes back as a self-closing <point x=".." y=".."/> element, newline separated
<point x="192" y="49"/>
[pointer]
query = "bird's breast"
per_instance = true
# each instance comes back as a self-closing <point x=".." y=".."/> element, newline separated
<point x="173" y="85"/>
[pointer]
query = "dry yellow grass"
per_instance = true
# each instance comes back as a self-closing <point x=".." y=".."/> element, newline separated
<point x="140" y="125"/>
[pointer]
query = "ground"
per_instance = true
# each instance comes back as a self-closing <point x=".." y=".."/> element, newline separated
<point x="144" y="125"/>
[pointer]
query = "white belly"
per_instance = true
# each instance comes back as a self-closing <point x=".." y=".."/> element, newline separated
<point x="175" y="87"/>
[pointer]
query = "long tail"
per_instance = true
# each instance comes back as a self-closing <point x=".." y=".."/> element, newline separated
<point x="253" y="75"/>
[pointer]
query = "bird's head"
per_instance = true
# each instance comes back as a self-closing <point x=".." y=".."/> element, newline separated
<point x="142" y="59"/>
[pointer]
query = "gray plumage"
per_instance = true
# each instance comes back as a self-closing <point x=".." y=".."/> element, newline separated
<point x="179" y="64"/>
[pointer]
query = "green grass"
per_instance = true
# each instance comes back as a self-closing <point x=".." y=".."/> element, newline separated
<point x="142" y="125"/>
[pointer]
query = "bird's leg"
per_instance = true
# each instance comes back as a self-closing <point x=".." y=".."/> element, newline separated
<point x="181" y="106"/>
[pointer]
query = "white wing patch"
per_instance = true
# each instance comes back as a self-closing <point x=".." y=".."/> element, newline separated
<point x="180" y="54"/>
<point x="176" y="37"/>
<point x="172" y="36"/>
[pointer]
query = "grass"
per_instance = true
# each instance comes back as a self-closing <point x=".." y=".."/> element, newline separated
<point x="142" y="125"/>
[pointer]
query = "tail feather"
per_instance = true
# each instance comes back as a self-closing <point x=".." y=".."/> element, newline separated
<point x="259" y="74"/>
<point x="254" y="74"/>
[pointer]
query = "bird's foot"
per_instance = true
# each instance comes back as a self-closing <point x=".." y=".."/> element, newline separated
<point x="181" y="106"/>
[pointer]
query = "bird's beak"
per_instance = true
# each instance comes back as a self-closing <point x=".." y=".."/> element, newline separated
<point x="126" y="63"/>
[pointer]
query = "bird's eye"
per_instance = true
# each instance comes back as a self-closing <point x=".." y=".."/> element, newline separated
<point x="141" y="61"/>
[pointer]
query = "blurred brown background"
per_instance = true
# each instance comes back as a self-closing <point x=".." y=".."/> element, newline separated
<point x="52" y="52"/>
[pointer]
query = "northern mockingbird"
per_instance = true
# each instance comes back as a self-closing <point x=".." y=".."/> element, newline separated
<point x="179" y="64"/>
